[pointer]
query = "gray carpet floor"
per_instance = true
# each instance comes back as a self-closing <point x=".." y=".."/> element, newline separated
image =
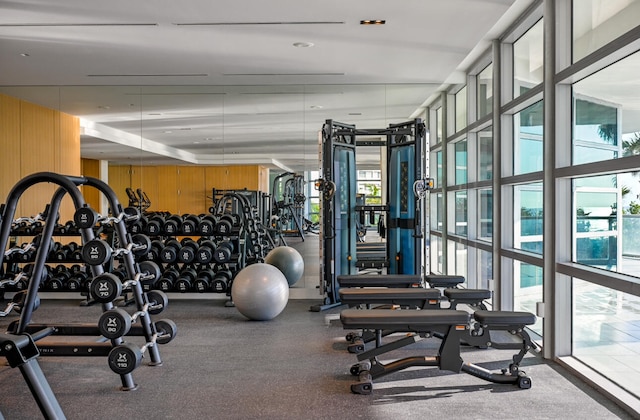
<point x="223" y="366"/>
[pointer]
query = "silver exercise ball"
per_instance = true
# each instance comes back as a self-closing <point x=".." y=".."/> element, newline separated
<point x="260" y="292"/>
<point x="289" y="261"/>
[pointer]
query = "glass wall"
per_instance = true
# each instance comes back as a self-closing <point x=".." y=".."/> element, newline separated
<point x="597" y="22"/>
<point x="484" y="89"/>
<point x="595" y="213"/>
<point x="527" y="143"/>
<point x="461" y="109"/>
<point x="527" y="60"/>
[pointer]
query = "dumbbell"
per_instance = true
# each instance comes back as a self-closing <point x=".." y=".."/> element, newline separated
<point x="224" y="225"/>
<point x="221" y="280"/>
<point x="205" y="252"/>
<point x="138" y="226"/>
<point x="105" y="288"/>
<point x="98" y="252"/>
<point x="17" y="303"/>
<point x="155" y="225"/>
<point x="207" y="225"/>
<point x="158" y="301"/>
<point x="78" y="281"/>
<point x="65" y="252"/>
<point x="168" y="279"/>
<point x="67" y="228"/>
<point x="172" y="225"/>
<point x="186" y="279"/>
<point x="170" y="251"/>
<point x="187" y="253"/>
<point x="204" y="280"/>
<point x="29" y="251"/>
<point x="223" y="253"/>
<point x="86" y="218"/>
<point x="190" y="224"/>
<point x="56" y="281"/>
<point x="126" y="357"/>
<point x="155" y="250"/>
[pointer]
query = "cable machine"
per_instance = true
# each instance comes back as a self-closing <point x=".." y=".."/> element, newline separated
<point x="404" y="214"/>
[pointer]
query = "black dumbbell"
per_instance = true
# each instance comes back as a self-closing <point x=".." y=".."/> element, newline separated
<point x="221" y="281"/>
<point x="170" y="251"/>
<point x="105" y="288"/>
<point x="157" y="300"/>
<point x="126" y="357"/>
<point x="57" y="280"/>
<point x="187" y="253"/>
<point x="156" y="250"/>
<point x="190" y="224"/>
<point x="155" y="225"/>
<point x="172" y="225"/>
<point x="85" y="218"/>
<point x="204" y="280"/>
<point x="207" y="225"/>
<point x="223" y="253"/>
<point x="78" y="281"/>
<point x="65" y="252"/>
<point x="224" y="225"/>
<point x="205" y="251"/>
<point x="186" y="279"/>
<point x="114" y="323"/>
<point x="168" y="279"/>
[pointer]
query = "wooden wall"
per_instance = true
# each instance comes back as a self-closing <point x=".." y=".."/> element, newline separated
<point x="91" y="167"/>
<point x="36" y="139"/>
<point x="185" y="189"/>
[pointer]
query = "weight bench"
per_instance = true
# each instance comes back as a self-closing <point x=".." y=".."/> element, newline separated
<point x="379" y="280"/>
<point x="409" y="298"/>
<point x="452" y="327"/>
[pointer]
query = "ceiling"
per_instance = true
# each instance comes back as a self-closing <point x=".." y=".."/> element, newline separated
<point x="208" y="82"/>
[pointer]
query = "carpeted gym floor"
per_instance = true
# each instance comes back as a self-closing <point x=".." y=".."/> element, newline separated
<point x="223" y="366"/>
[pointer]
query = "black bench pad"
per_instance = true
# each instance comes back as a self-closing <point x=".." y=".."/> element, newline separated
<point x="378" y="280"/>
<point x="410" y="320"/>
<point x="386" y="295"/>
<point x="504" y="318"/>
<point x="444" y="280"/>
<point x="467" y="294"/>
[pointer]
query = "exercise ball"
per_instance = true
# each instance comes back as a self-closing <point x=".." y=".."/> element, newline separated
<point x="289" y="261"/>
<point x="260" y="292"/>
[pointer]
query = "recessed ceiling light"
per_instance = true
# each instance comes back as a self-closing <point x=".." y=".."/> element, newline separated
<point x="104" y="107"/>
<point x="355" y="113"/>
<point x="373" y="22"/>
<point x="303" y="44"/>
<point x="167" y="131"/>
<point x="24" y="55"/>
<point x="196" y="142"/>
<point x="316" y="107"/>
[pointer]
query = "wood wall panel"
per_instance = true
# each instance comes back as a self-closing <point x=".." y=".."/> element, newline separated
<point x="167" y="181"/>
<point x="146" y="178"/>
<point x="11" y="146"/>
<point x="191" y="190"/>
<point x="38" y="139"/>
<point x="119" y="180"/>
<point x="91" y="167"/>
<point x="67" y="155"/>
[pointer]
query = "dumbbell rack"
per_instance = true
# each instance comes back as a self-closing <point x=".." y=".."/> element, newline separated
<point x="115" y="349"/>
<point x="166" y="251"/>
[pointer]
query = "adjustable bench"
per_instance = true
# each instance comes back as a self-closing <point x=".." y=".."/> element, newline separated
<point x="444" y="280"/>
<point x="452" y="327"/>
<point x="415" y="297"/>
<point x="379" y="280"/>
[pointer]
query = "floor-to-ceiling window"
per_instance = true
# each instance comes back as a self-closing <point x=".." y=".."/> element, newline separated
<point x="595" y="168"/>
